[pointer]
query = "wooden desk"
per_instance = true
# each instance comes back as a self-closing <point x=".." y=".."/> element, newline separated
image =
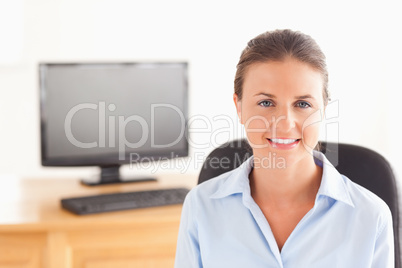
<point x="36" y="232"/>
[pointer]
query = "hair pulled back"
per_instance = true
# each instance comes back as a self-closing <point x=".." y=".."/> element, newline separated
<point x="277" y="46"/>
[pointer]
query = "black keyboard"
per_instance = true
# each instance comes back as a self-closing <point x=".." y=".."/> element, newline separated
<point x="122" y="201"/>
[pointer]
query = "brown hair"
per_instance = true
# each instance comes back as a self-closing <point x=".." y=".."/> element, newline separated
<point x="277" y="46"/>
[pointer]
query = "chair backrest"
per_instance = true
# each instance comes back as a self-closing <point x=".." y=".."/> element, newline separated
<point x="364" y="166"/>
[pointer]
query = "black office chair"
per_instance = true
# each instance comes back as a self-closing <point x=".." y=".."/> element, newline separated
<point x="364" y="166"/>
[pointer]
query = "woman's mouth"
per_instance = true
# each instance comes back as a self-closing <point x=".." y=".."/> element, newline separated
<point x="284" y="144"/>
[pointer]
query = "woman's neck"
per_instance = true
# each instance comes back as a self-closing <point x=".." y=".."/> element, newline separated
<point x="283" y="187"/>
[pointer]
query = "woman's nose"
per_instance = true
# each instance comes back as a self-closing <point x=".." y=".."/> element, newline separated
<point x="283" y="121"/>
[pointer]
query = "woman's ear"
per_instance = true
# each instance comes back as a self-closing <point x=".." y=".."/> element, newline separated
<point x="237" y="102"/>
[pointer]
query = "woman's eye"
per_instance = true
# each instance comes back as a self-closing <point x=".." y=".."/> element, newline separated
<point x="265" y="103"/>
<point x="303" y="104"/>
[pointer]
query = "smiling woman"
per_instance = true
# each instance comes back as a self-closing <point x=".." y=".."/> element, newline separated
<point x="277" y="99"/>
<point x="302" y="213"/>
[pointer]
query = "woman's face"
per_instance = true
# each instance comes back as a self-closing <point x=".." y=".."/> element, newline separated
<point x="281" y="109"/>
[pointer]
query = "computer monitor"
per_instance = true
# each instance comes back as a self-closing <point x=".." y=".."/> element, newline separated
<point x="110" y="114"/>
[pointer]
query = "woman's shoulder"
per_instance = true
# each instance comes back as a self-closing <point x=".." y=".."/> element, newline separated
<point x="365" y="200"/>
<point x="209" y="187"/>
<point x="228" y="183"/>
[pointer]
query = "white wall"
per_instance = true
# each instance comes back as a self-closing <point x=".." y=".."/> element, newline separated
<point x="360" y="38"/>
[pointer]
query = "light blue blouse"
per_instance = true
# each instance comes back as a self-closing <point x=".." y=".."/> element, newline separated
<point x="222" y="226"/>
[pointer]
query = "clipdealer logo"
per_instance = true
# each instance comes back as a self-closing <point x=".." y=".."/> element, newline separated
<point x="121" y="125"/>
<point x="327" y="119"/>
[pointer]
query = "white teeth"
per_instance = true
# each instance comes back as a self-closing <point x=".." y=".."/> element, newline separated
<point x="283" y="141"/>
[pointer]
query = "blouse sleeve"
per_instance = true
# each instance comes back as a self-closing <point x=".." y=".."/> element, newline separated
<point x="384" y="248"/>
<point x="188" y="249"/>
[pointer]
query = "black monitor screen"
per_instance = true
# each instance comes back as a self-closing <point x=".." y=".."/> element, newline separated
<point x="112" y="113"/>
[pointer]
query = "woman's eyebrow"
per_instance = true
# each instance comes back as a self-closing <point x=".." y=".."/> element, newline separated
<point x="265" y="94"/>
<point x="302" y="97"/>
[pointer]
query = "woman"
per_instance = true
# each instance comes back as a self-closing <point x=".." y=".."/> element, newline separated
<point x="299" y="212"/>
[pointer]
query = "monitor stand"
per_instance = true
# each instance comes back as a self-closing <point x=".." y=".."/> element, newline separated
<point x="111" y="175"/>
